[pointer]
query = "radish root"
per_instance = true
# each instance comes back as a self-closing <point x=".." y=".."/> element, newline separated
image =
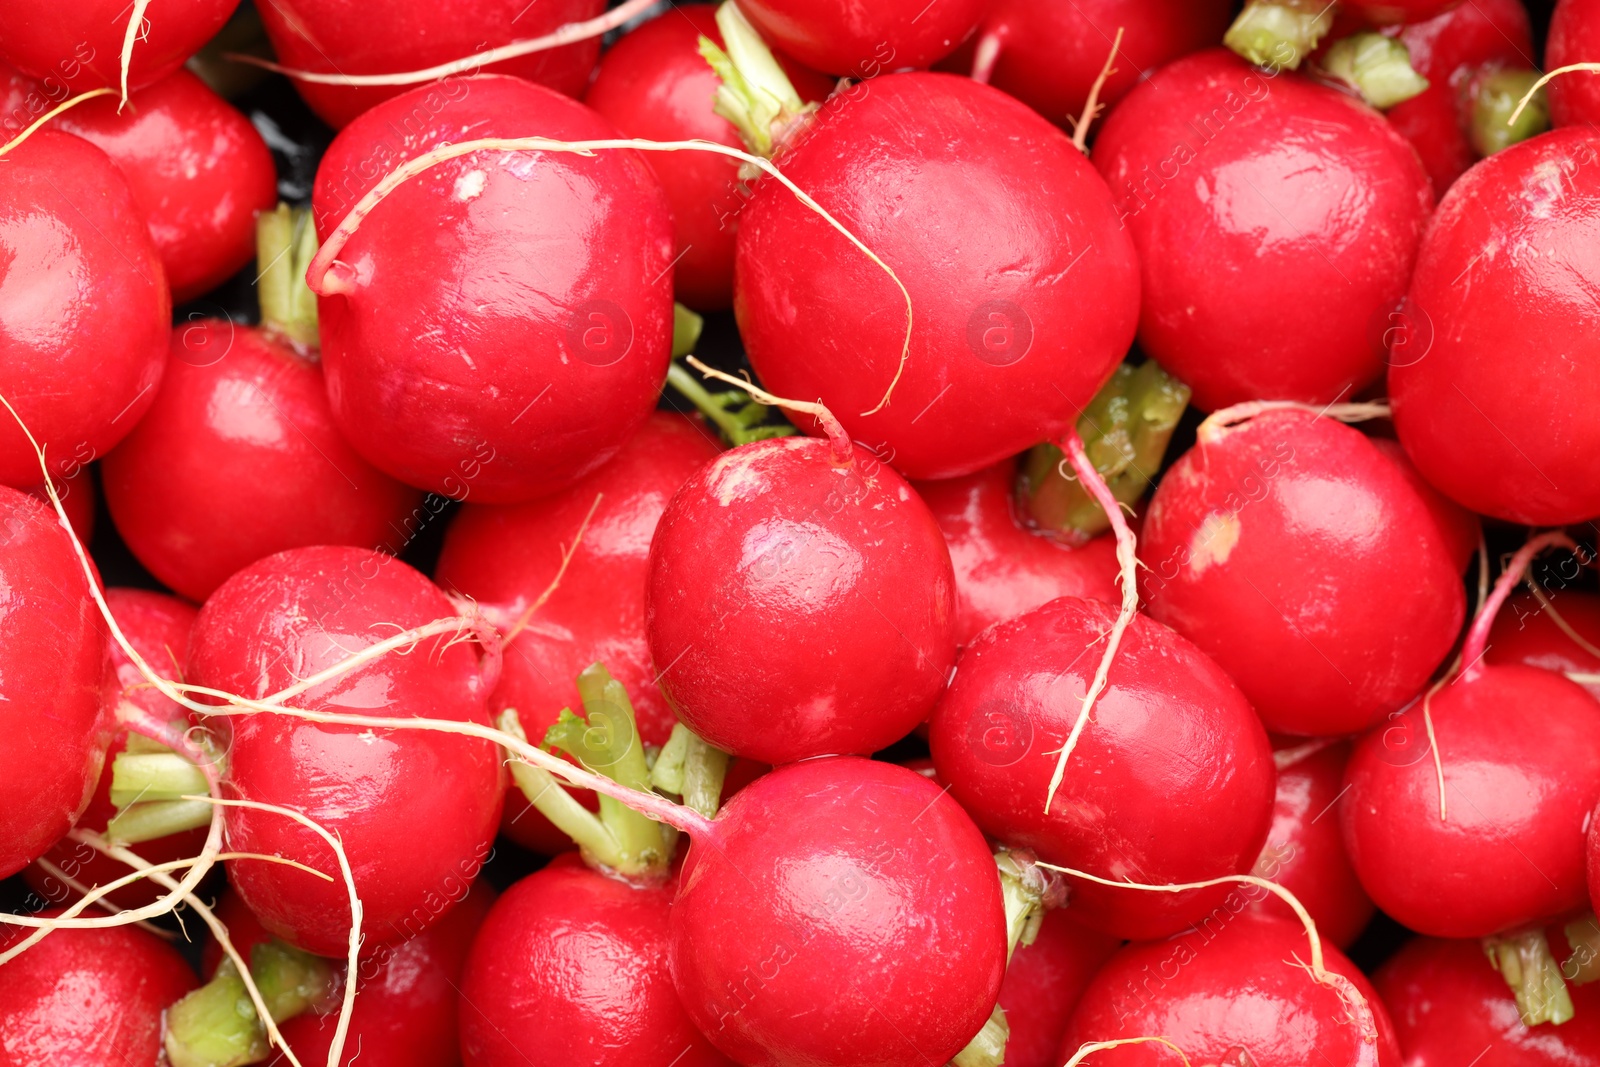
<point x="1546" y="79"/>
<point x="1092" y="106"/>
<point x="1088" y="1048"/>
<point x="1477" y="641"/>
<point x="831" y="426"/>
<point x="1219" y="422"/>
<point x="28" y="132"/>
<point x="1556" y="617"/>
<point x="138" y="29"/>
<point x="567" y="552"/>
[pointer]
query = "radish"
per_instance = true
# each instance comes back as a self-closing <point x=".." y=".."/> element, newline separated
<point x="518" y="348"/>
<point x="1305" y="851"/>
<point x="1448" y="1006"/>
<point x="1017" y="692"/>
<point x="87" y="998"/>
<point x="1044" y="982"/>
<point x="197" y="169"/>
<point x="839" y="911"/>
<point x="1574" y="38"/>
<point x="1292" y="551"/>
<point x="1020" y="288"/>
<point x="1488" y="835"/>
<point x="1459" y="528"/>
<point x="1477" y="59"/>
<point x="1230" y="993"/>
<point x="53" y="726"/>
<point x="95" y="43"/>
<point x="654" y="83"/>
<point x="238" y="457"/>
<point x="1002" y="569"/>
<point x="811" y="539"/>
<point x="574" y="964"/>
<point x="1541" y="634"/>
<point x="331" y="36"/>
<point x="1048" y="54"/>
<point x="863" y="41"/>
<point x="416" y="810"/>
<point x="1468" y="427"/>
<point x="91" y="305"/>
<point x="158" y="626"/>
<point x="1399" y="12"/>
<point x="1309" y="208"/>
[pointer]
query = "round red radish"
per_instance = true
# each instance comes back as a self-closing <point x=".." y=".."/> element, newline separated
<point x="1048" y="53"/>
<point x="79" y="46"/>
<point x="157" y="626"/>
<point x="86" y="303"/>
<point x="239" y="458"/>
<point x="77" y="498"/>
<point x="1276" y="219"/>
<point x="87" y="998"/>
<point x="1526" y="632"/>
<point x="522" y="344"/>
<point x="1459" y="528"/>
<point x="842" y="911"/>
<point x="1299" y="557"/>
<point x="53" y="726"/>
<point x="1229" y="993"/>
<point x="197" y="169"/>
<point x="1002" y="569"/>
<point x="800" y="602"/>
<point x="1449" y="1005"/>
<point x="1470" y="376"/>
<point x="1044" y="982"/>
<point x="332" y="36"/>
<point x="1017" y="692"/>
<point x="1398" y="12"/>
<point x="575" y="964"/>
<point x="1024" y="288"/>
<point x="1305" y="851"/>
<point x="416" y="810"/>
<point x="654" y="83"/>
<point x="863" y="40"/>
<point x="1574" y="38"/>
<point x="1453" y="51"/>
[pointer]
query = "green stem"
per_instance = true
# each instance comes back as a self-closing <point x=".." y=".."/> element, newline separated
<point x="1529" y="968"/>
<point x="1125" y="429"/>
<point x="1377" y="67"/>
<point x="737" y="418"/>
<point x="146" y="776"/>
<point x="286" y="241"/>
<point x="217" y="1025"/>
<point x="755" y="94"/>
<point x="555" y="803"/>
<point x="1583" y="936"/>
<point x="686" y="327"/>
<point x="988" y="1048"/>
<point x="1279" y="34"/>
<point x="692" y="769"/>
<point x="160" y="818"/>
<point x="1495" y="99"/>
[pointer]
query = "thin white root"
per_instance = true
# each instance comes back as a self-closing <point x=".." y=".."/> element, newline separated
<point x="1088" y="1048"/>
<point x="82" y="890"/>
<point x="816" y="409"/>
<point x="1091" y="107"/>
<point x="567" y="553"/>
<point x="65" y="105"/>
<point x="1546" y="79"/>
<point x="1219" y="422"/>
<point x="1556" y="617"/>
<point x="137" y="29"/>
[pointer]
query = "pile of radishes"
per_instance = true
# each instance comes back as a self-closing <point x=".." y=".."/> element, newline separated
<point x="799" y="533"/>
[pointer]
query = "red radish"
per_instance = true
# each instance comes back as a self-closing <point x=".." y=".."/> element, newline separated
<point x="338" y="37"/>
<point x="1017" y="692"/>
<point x="811" y="539"/>
<point x="1486" y="437"/>
<point x="1044" y="982"/>
<point x="84" y="45"/>
<point x="1488" y="835"/>
<point x="655" y="84"/>
<point x="1229" y="993"/>
<point x="77" y="497"/>
<point x="1459" y="528"/>
<point x="1047" y="53"/>
<point x="1001" y="568"/>
<point x="1459" y="52"/>
<point x="90" y="304"/>
<point x="1292" y="551"/>
<point x="860" y="40"/>
<point x="197" y="169"/>
<point x="53" y="726"/>
<point x="416" y="810"/>
<point x="1574" y="38"/>
<point x="1537" y="635"/>
<point x="1023" y="288"/>
<point x="1307" y="205"/>
<point x="87" y="998"/>
<point x="839" y="911"/>
<point x="524" y="342"/>
<point x="158" y="626"/>
<point x="574" y="964"/>
<point x="1305" y="851"/>
<point x="1398" y="12"/>
<point x="239" y="458"/>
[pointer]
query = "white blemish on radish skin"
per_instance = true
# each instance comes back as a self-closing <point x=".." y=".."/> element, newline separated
<point x="1213" y="542"/>
<point x="736" y="476"/>
<point x="470" y="185"/>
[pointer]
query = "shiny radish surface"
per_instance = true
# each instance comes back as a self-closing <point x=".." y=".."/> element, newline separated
<point x="1275" y="219"/>
<point x="416" y="809"/>
<point x="80" y="45"/>
<point x="522" y="344"/>
<point x="1017" y="692"/>
<point x="1459" y="528"/>
<point x="1574" y="38"/>
<point x="54" y="725"/>
<point x="1399" y="12"/>
<point x="1529" y="633"/>
<point x="856" y="39"/>
<point x="1044" y="982"/>
<point x="77" y="497"/>
<point x="96" y="308"/>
